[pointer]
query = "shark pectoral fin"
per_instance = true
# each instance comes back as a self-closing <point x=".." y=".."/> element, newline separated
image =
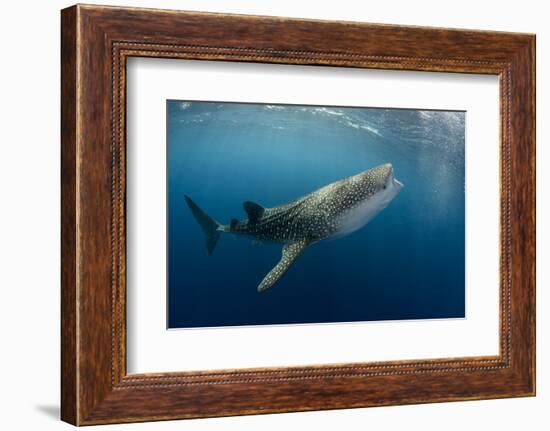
<point x="253" y="210"/>
<point x="290" y="252"/>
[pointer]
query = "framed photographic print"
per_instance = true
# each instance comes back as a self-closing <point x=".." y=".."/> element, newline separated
<point x="264" y="214"/>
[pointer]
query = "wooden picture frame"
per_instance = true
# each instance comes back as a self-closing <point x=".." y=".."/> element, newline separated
<point x="95" y="43"/>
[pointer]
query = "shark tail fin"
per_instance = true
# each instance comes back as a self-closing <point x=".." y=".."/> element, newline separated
<point x="211" y="228"/>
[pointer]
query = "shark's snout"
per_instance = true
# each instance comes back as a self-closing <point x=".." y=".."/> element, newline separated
<point x="391" y="181"/>
<point x="380" y="179"/>
<point x="387" y="169"/>
<point x="389" y="172"/>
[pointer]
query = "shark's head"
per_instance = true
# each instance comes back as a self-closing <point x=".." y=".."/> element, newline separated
<point x="364" y="195"/>
<point x="379" y="181"/>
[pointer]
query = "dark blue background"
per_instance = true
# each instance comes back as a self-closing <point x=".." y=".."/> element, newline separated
<point x="408" y="263"/>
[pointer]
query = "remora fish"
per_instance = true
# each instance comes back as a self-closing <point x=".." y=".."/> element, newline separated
<point x="334" y="210"/>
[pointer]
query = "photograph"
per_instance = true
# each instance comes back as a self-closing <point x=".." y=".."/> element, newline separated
<point x="299" y="214"/>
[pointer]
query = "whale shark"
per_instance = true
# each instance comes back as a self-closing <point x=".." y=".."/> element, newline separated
<point x="333" y="211"/>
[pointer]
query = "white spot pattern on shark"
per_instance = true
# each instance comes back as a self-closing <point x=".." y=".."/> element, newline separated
<point x="334" y="210"/>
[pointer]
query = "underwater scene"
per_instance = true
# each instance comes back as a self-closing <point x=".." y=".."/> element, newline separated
<point x="288" y="214"/>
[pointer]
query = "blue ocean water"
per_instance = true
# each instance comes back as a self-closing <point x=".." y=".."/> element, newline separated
<point x="407" y="263"/>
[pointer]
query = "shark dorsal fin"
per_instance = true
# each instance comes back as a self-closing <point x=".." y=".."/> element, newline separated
<point x="253" y="210"/>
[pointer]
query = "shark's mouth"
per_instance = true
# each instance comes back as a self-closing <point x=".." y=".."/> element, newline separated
<point x="391" y="181"/>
